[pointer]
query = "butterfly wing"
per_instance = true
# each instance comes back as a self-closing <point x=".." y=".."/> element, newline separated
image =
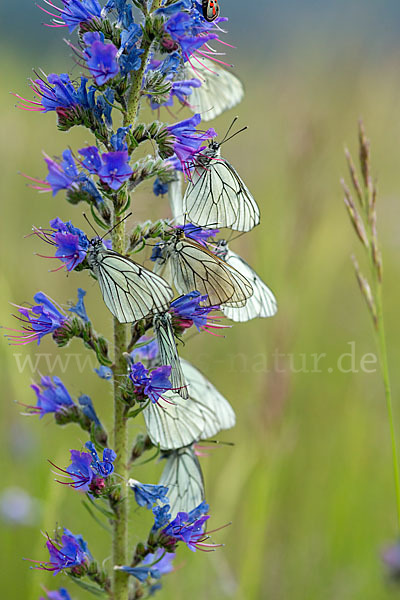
<point x="168" y="352"/>
<point x="217" y="196"/>
<point x="261" y="304"/>
<point x="130" y="291"/>
<point x="216" y="410"/>
<point x="195" y="268"/>
<point x="175" y="196"/>
<point x="173" y="423"/>
<point x="184" y="479"/>
<point x="220" y="89"/>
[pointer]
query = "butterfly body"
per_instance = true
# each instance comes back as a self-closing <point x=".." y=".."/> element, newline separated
<point x="194" y="268"/>
<point x="130" y="291"/>
<point x="169" y="356"/>
<point x="210" y="10"/>
<point x="216" y="195"/>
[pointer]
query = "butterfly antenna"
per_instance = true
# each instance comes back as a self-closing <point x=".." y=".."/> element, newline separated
<point x="116" y="225"/>
<point x="233" y="135"/>
<point x="236" y="236"/>
<point x="90" y="225"/>
<point x="229" y="129"/>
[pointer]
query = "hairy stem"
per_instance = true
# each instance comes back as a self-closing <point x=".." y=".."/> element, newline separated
<point x="120" y="538"/>
<point x="120" y="531"/>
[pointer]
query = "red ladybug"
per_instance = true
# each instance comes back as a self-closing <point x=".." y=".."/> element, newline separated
<point x="210" y="9"/>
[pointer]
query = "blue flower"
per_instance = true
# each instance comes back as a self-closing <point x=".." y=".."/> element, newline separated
<point x="162" y="516"/>
<point x="131" y="61"/>
<point x="167" y="11"/>
<point x="111" y="167"/>
<point x="141" y="573"/>
<point x="91" y="159"/>
<point x="80" y="471"/>
<point x="391" y="558"/>
<point x="105" y="467"/>
<point x="146" y="349"/>
<point x="104" y="372"/>
<point x="101" y="58"/>
<point x="198" y="234"/>
<point x="118" y="139"/>
<point x="74" y="13"/>
<point x="190" y="31"/>
<point x="115" y="170"/>
<point x="39" y="320"/>
<point x="189" y="528"/>
<point x="63" y="175"/>
<point x="52" y="396"/>
<point x="57" y="92"/>
<point x="71" y="552"/>
<point x="88" y="474"/>
<point x="160" y="560"/>
<point x="188" y="141"/>
<point x="187" y="312"/>
<point x="71" y="242"/>
<point x="88" y="409"/>
<point x="79" y="11"/>
<point x="79" y="308"/>
<point x="150" y="384"/>
<point x="61" y="594"/>
<point x="147" y="495"/>
<point x="160" y="188"/>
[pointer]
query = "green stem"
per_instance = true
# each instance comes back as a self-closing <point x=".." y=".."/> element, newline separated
<point x="120" y="530"/>
<point x="381" y="339"/>
<point x="120" y="524"/>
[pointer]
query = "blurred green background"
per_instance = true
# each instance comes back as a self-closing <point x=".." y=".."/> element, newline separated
<point x="308" y="485"/>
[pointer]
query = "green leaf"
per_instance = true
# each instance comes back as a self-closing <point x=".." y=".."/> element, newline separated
<point x="101" y="509"/>
<point x="93" y="589"/>
<point x="134" y="413"/>
<point x="95" y="518"/>
<point x="98" y="220"/>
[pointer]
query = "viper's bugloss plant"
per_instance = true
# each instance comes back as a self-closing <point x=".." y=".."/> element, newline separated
<point x="133" y="53"/>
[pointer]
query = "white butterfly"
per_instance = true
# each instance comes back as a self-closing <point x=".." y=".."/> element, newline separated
<point x="220" y="89"/>
<point x="168" y="353"/>
<point x="262" y="303"/>
<point x="130" y="291"/>
<point x="216" y="195"/>
<point x="174" y="423"/>
<point x="193" y="267"/>
<point x="184" y="479"/>
<point x="175" y="195"/>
